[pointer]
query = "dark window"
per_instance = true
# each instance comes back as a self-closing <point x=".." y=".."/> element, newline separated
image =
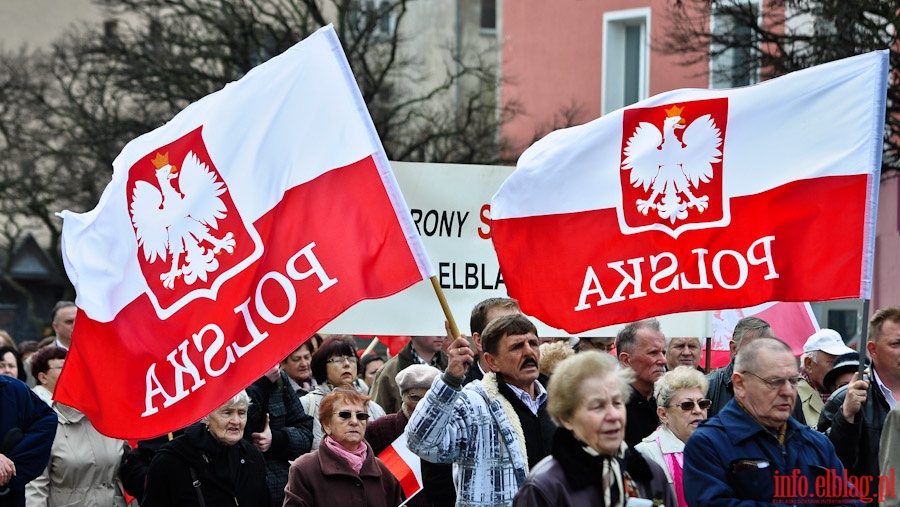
<point x="488" y="14"/>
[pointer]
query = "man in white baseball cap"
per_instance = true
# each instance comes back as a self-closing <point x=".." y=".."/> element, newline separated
<point x="819" y="353"/>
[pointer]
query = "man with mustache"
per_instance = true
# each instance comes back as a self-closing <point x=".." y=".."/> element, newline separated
<point x="495" y="429"/>
<point x="642" y="347"/>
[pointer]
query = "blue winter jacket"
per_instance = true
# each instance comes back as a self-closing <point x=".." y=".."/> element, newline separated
<point x="21" y="408"/>
<point x="731" y="460"/>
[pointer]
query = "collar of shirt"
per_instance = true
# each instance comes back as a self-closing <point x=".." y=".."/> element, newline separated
<point x="60" y="345"/>
<point x="888" y="395"/>
<point x="822" y="395"/>
<point x="434" y="359"/>
<point x="535" y="404"/>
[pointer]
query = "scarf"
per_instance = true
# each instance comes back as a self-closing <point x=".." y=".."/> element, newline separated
<point x="615" y="484"/>
<point x="675" y="463"/>
<point x="354" y="459"/>
<point x="822" y="395"/>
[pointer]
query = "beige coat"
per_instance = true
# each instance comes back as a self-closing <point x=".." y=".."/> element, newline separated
<point x="653" y="451"/>
<point x="83" y="468"/>
<point x="812" y="403"/>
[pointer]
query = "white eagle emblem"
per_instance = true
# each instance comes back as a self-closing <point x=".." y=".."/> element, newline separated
<point x="168" y="221"/>
<point x="672" y="166"/>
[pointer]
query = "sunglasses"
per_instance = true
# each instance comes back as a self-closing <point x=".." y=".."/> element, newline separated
<point x="688" y="405"/>
<point x="346" y="414"/>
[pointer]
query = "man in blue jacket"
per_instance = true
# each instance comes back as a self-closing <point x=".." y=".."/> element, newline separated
<point x="27" y="430"/>
<point x="753" y="450"/>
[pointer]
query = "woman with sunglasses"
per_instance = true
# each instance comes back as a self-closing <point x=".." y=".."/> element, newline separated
<point x="343" y="471"/>
<point x="681" y="405"/>
<point x="334" y="366"/>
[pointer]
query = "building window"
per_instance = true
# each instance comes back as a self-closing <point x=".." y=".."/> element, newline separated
<point x="626" y="57"/>
<point x="489" y="15"/>
<point x="376" y="16"/>
<point x="110" y="29"/>
<point x="734" y="61"/>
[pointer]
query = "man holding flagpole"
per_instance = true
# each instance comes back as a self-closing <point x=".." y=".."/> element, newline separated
<point x="495" y="429"/>
<point x="854" y="415"/>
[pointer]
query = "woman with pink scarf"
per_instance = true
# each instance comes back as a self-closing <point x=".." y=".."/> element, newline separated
<point x="343" y="470"/>
<point x="681" y="405"/>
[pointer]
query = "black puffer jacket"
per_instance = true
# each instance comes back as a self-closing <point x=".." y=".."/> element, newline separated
<point x="228" y="475"/>
<point x="856" y="443"/>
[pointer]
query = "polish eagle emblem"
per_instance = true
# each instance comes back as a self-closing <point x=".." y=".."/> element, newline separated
<point x="178" y="221"/>
<point x="673" y="167"/>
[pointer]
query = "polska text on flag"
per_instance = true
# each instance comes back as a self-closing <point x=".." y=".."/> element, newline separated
<point x="226" y="238"/>
<point x="700" y="199"/>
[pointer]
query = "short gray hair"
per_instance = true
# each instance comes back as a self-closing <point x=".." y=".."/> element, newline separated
<point x="752" y="326"/>
<point x="747" y="358"/>
<point x="626" y="339"/>
<point x="682" y="377"/>
<point x="241" y="398"/>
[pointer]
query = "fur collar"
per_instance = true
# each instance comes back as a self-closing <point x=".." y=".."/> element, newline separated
<point x="493" y="391"/>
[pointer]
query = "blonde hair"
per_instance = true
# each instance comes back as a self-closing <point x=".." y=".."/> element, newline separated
<point x="683" y="377"/>
<point x="552" y="353"/>
<point x="564" y="393"/>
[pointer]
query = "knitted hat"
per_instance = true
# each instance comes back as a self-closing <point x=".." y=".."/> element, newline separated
<point x="417" y="376"/>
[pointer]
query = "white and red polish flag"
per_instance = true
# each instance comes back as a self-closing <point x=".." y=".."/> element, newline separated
<point x="404" y="464"/>
<point x="227" y="237"/>
<point x="700" y="200"/>
<point x="793" y="323"/>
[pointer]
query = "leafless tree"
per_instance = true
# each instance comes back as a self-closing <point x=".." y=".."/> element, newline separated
<point x="67" y="111"/>
<point x="770" y="38"/>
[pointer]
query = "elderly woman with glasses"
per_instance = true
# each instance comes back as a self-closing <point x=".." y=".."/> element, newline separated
<point x="344" y="470"/>
<point x="590" y="463"/>
<point x="681" y="405"/>
<point x="334" y="366"/>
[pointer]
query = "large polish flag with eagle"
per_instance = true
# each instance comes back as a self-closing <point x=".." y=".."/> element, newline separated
<point x="700" y="200"/>
<point x="226" y="238"/>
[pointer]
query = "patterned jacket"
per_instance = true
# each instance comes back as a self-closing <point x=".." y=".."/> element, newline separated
<point x="477" y="429"/>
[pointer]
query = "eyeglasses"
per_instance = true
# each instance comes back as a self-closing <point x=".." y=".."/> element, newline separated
<point x="346" y="414"/>
<point x="776" y="383"/>
<point x="688" y="405"/>
<point x="341" y="360"/>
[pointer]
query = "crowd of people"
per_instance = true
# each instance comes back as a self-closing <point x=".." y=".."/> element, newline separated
<point x="503" y="418"/>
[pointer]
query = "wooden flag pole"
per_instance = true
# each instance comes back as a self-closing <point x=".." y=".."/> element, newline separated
<point x="375" y="341"/>
<point x="446" y="307"/>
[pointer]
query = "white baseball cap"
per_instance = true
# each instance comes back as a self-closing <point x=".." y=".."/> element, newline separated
<point x="828" y="341"/>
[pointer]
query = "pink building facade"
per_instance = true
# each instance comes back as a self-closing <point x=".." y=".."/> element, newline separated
<point x="567" y="62"/>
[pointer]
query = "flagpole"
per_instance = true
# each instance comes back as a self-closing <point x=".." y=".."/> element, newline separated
<point x="708" y="354"/>
<point x="863" y="337"/>
<point x="372" y="345"/>
<point x="446" y="307"/>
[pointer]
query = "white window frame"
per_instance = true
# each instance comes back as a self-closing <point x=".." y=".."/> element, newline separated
<point x="614" y="25"/>
<point x="715" y="64"/>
